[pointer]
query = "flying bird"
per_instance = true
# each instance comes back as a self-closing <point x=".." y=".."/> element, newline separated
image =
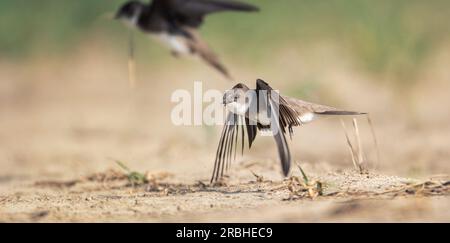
<point x="264" y="109"/>
<point x="175" y="24"/>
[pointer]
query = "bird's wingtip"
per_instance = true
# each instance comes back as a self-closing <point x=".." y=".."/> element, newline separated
<point x="255" y="9"/>
<point x="229" y="77"/>
<point x="286" y="171"/>
<point x="341" y="113"/>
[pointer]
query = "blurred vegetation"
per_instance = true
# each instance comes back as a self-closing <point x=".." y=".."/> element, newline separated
<point x="52" y="25"/>
<point x="384" y="36"/>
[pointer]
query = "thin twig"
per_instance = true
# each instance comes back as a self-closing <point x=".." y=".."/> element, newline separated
<point x="359" y="149"/>
<point x="375" y="140"/>
<point x="350" y="146"/>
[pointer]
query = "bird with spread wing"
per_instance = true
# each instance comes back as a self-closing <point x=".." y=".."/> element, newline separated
<point x="175" y="23"/>
<point x="264" y="110"/>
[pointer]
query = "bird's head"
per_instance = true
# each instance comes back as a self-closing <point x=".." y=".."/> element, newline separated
<point x="237" y="99"/>
<point x="130" y="11"/>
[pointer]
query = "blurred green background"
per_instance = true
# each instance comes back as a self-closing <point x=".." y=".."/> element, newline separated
<point x="385" y="37"/>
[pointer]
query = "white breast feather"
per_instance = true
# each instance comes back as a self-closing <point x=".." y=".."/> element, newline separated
<point x="173" y="42"/>
<point x="237" y="108"/>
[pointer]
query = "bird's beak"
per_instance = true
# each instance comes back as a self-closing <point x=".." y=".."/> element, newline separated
<point x="117" y="16"/>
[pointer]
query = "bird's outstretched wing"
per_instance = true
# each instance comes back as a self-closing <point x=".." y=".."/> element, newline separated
<point x="280" y="139"/>
<point x="198" y="46"/>
<point x="192" y="12"/>
<point x="308" y="112"/>
<point x="234" y="127"/>
<point x="288" y="116"/>
<point x="295" y="112"/>
<point x="280" y="115"/>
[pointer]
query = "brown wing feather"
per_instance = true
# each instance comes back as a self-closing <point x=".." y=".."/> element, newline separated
<point x="192" y="12"/>
<point x="228" y="142"/>
<point x="303" y="108"/>
<point x="201" y="48"/>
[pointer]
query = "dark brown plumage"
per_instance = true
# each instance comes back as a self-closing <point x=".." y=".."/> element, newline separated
<point x="175" y="22"/>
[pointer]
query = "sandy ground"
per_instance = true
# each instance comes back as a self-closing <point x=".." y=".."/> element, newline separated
<point x="346" y="197"/>
<point x="64" y="123"/>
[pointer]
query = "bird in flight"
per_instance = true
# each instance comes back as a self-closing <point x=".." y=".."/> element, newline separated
<point x="175" y="24"/>
<point x="264" y="109"/>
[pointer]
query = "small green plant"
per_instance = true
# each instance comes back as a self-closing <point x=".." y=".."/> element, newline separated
<point x="305" y="177"/>
<point x="305" y="188"/>
<point x="135" y="178"/>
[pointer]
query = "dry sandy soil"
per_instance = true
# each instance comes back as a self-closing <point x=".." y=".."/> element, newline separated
<point x="347" y="197"/>
<point x="63" y="123"/>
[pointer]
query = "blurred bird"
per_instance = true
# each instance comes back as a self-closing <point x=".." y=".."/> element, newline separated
<point x="264" y="110"/>
<point x="175" y="23"/>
